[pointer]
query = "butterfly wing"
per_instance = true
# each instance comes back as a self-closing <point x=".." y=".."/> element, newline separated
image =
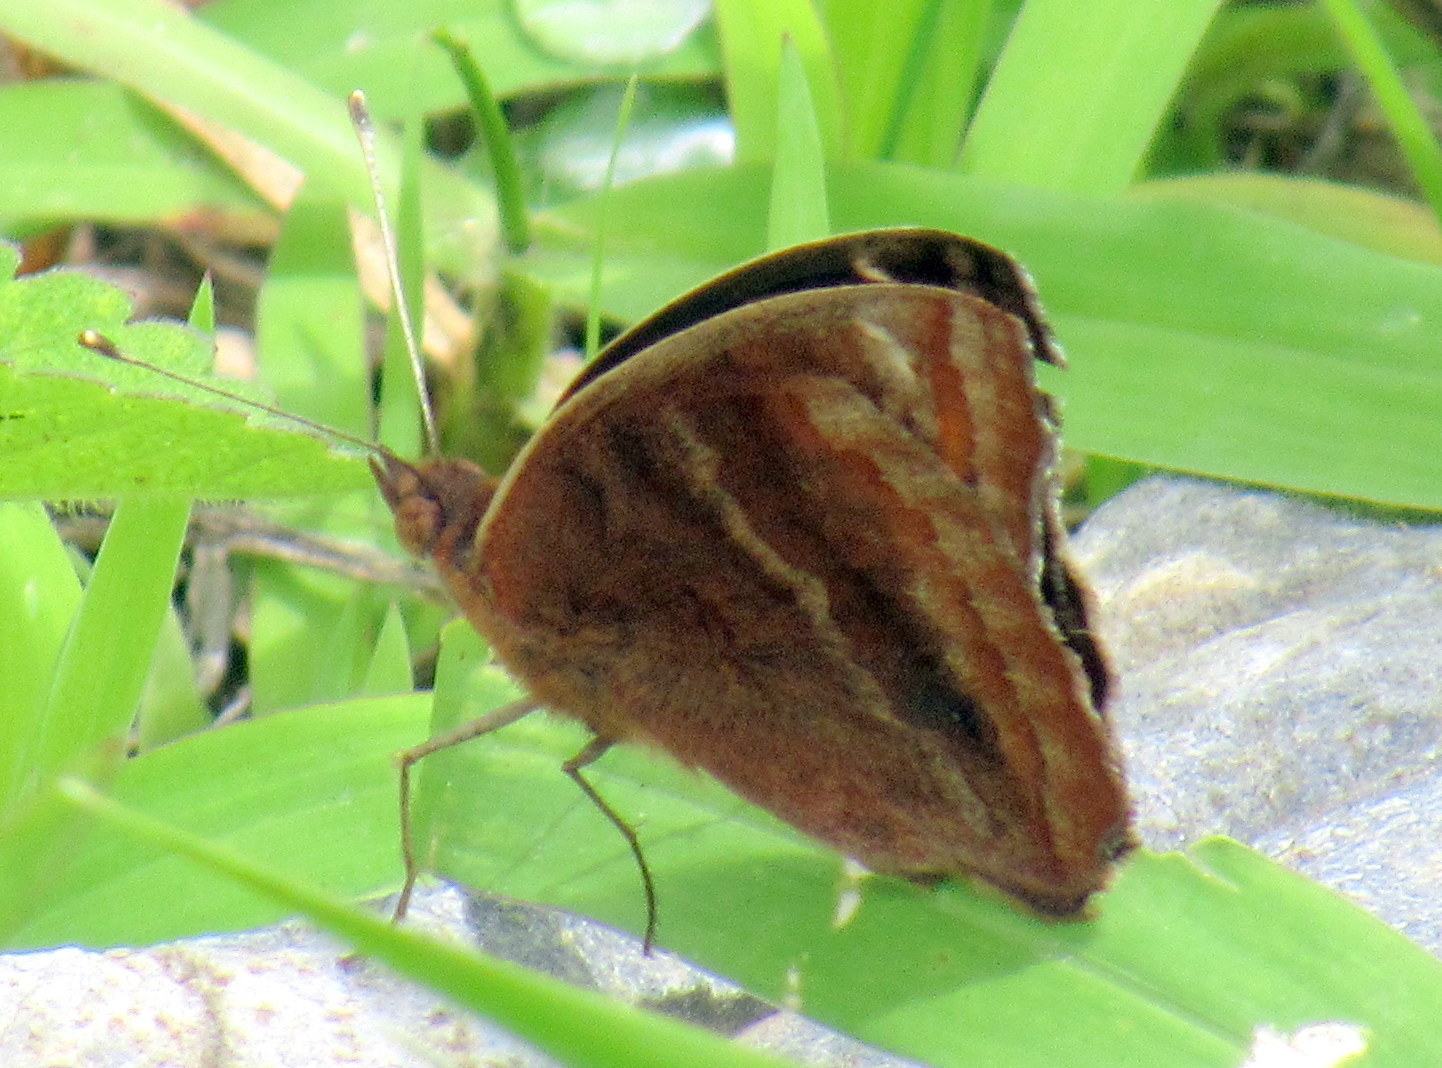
<point x="801" y="544"/>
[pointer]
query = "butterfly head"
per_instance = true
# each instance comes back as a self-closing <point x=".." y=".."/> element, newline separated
<point x="438" y="504"/>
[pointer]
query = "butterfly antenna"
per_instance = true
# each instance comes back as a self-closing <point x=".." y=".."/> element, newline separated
<point x="366" y="133"/>
<point x="101" y="345"/>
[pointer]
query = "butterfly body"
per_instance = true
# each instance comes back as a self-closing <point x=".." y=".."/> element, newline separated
<point x="803" y="536"/>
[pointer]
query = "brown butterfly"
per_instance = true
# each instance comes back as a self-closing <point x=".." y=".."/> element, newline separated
<point x="799" y="529"/>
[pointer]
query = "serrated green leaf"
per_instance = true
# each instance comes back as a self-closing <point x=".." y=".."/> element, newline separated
<point x="76" y="426"/>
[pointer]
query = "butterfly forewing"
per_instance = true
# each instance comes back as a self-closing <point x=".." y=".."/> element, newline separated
<point x="800" y="544"/>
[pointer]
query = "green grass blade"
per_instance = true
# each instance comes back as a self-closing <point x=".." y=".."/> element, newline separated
<point x="798" y="209"/>
<point x="598" y="247"/>
<point x="578" y="1027"/>
<point x="1101" y="74"/>
<point x="1188" y="956"/>
<point x="168" y="55"/>
<point x="202" y="307"/>
<point x="309" y="327"/>
<point x="496" y="136"/>
<point x="138" y="167"/>
<point x="99" y="672"/>
<point x="343" y="45"/>
<point x="171" y="706"/>
<point x="102" y="667"/>
<point x="1414" y="135"/>
<point x="389" y="670"/>
<point x="751" y="36"/>
<point x="39" y="594"/>
<point x="1185" y="958"/>
<point x="908" y="70"/>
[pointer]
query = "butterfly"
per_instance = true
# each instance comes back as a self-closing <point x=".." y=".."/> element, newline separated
<point x="799" y="530"/>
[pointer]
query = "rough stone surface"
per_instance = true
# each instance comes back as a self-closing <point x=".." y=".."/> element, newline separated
<point x="285" y="997"/>
<point x="1279" y="677"/>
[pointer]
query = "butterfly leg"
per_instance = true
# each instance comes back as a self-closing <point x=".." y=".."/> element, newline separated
<point x="491" y="721"/>
<point x="573" y="767"/>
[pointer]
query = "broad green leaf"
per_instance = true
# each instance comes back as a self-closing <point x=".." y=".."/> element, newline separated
<point x="78" y="426"/>
<point x="1383" y="223"/>
<point x="1187" y="955"/>
<point x="580" y="1027"/>
<point x="312" y="792"/>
